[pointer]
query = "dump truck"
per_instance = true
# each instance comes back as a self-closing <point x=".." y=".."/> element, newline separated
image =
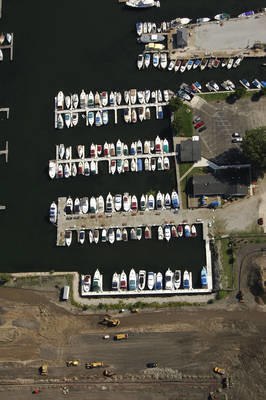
<point x="218" y="370"/>
<point x="121" y="336"/>
<point x="43" y="369"/>
<point x="108" y="373"/>
<point x="110" y="322"/>
<point x="72" y="363"/>
<point x="94" y="364"/>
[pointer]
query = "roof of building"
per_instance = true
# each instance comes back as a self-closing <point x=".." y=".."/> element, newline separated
<point x="227" y="182"/>
<point x="190" y="150"/>
<point x="180" y="38"/>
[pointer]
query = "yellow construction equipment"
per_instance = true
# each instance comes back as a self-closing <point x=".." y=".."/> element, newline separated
<point x="94" y="364"/>
<point x="110" y="322"/>
<point x="43" y="370"/>
<point x="72" y="363"/>
<point x="108" y="373"/>
<point x="121" y="336"/>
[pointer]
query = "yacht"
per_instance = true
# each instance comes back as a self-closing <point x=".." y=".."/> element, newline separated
<point x="98" y="119"/>
<point x="125" y="166"/>
<point x="67" y="120"/>
<point x="105" y="117"/>
<point x="60" y="98"/>
<point x="166" y="163"/>
<point x="163" y="60"/>
<point x="147" y="232"/>
<point x="91" y="100"/>
<point x="193" y="231"/>
<point x="112" y="149"/>
<point x="151" y="202"/>
<point x="75" y="100"/>
<point x="140" y="61"/>
<point x="177" y="279"/>
<point x="204" y="278"/>
<point x="112" y="99"/>
<point x="147" y="164"/>
<point x="139" y="28"/>
<point x="147" y="96"/>
<point x="75" y="119"/>
<point x="142" y="204"/>
<point x="183" y="66"/>
<point x="67" y="102"/>
<point x="159" y="201"/>
<point x="230" y="63"/>
<point x="139" y="232"/>
<point x="139" y="147"/>
<point x="81" y="237"/>
<point x="106" y="152"/>
<point x="126" y="202"/>
<point x="203" y="63"/>
<point x="133" y="96"/>
<point x="190" y="64"/>
<point x="147" y="113"/>
<point x="104" y="235"/>
<point x="76" y="206"/>
<point x="143" y="3"/>
<point x="169" y="279"/>
<point x="167" y="233"/>
<point x="111" y="235"/>
<point x="60" y="121"/>
<point x="118" y="148"/>
<point x="113" y="166"/>
<point x="126" y="96"/>
<point x="124" y="235"/>
<point x="118" y="235"/>
<point x="133" y="148"/>
<point x="158" y="145"/>
<point x="94" y="167"/>
<point x="134" y="203"/>
<point x="153" y="164"/>
<point x="187" y="231"/>
<point x="133" y="115"/>
<point x="141" y="113"/>
<point x="151" y="280"/>
<point x="82" y="99"/>
<point x="155" y="59"/>
<point x="159" y="96"/>
<point x="132" y="280"/>
<point x="237" y="62"/>
<point x="97" y="100"/>
<point x="104" y="98"/>
<point x="52" y="169"/>
<point x="115" y="281"/>
<point x="186" y="280"/>
<point x="166" y="95"/>
<point x="127" y="115"/>
<point x="159" y="281"/>
<point x="118" y="202"/>
<point x="53" y="213"/>
<point x="60" y="171"/>
<point x="86" y="283"/>
<point x="142" y="280"/>
<point x="123" y="281"/>
<point x="118" y="98"/>
<point x="67" y="171"/>
<point x="97" y="284"/>
<point x="171" y="65"/>
<point x="80" y="150"/>
<point x="140" y="96"/>
<point x="180" y="230"/>
<point x="160" y="233"/>
<point x="93" y="150"/>
<point x="100" y="205"/>
<point x="81" y="168"/>
<point x="68" y="238"/>
<point x="177" y="65"/>
<point x="109" y="203"/>
<point x="147" y="60"/>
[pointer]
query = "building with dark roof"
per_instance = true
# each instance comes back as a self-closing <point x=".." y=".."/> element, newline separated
<point x="190" y="150"/>
<point x="226" y="182"/>
<point x="179" y="39"/>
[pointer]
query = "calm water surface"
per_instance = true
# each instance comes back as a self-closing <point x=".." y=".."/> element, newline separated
<point x="71" y="46"/>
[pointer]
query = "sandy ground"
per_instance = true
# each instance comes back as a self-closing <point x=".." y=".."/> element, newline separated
<point x="184" y="342"/>
<point x="233" y="34"/>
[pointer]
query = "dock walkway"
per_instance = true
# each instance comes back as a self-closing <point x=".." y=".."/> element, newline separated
<point x="10" y="45"/>
<point x="5" y="152"/>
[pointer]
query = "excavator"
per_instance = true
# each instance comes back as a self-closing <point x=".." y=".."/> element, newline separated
<point x="110" y="322"/>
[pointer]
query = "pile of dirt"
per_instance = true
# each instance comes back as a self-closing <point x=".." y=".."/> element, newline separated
<point x="2" y="321"/>
<point x="26" y="323"/>
<point x="3" y="310"/>
<point x="255" y="279"/>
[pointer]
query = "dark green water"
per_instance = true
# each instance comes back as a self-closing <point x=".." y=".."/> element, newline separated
<point x="70" y="46"/>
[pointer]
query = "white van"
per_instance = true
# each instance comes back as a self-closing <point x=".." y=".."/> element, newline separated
<point x="66" y="290"/>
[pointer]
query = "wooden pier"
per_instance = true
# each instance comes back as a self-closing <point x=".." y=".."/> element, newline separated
<point x="5" y="109"/>
<point x="9" y="46"/>
<point x="5" y="152"/>
<point x="114" y="108"/>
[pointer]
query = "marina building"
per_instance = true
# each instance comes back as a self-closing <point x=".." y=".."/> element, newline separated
<point x="190" y="150"/>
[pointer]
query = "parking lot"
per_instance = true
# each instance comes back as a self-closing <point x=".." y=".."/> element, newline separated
<point x="222" y="120"/>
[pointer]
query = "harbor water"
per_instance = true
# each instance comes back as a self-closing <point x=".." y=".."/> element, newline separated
<point x="90" y="46"/>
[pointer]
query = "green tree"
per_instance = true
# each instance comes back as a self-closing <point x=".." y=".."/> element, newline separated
<point x="240" y="91"/>
<point x="175" y="103"/>
<point x="254" y="147"/>
<point x="177" y="123"/>
<point x="263" y="91"/>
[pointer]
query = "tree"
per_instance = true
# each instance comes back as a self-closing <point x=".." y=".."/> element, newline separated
<point x="177" y="123"/>
<point x="263" y="91"/>
<point x="254" y="147"/>
<point x="240" y="92"/>
<point x="175" y="103"/>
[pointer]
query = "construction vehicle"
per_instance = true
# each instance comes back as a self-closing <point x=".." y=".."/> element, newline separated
<point x="43" y="370"/>
<point x="94" y="364"/>
<point x="108" y="373"/>
<point x="134" y="310"/>
<point x="110" y="322"/>
<point x="227" y="382"/>
<point x="121" y="336"/>
<point x="219" y="371"/>
<point x="72" y="363"/>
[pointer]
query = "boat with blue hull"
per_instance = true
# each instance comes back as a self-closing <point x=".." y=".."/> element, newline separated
<point x="204" y="278"/>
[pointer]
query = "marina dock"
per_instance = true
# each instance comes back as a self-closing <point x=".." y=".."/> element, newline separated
<point x="9" y="46"/>
<point x="5" y="152"/>
<point x="5" y="109"/>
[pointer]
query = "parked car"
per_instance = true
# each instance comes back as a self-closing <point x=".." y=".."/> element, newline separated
<point x="260" y="221"/>
<point x="152" y="365"/>
<point x="199" y="124"/>
<point x="237" y="140"/>
<point x="196" y="120"/>
<point x="202" y="128"/>
<point x="236" y="134"/>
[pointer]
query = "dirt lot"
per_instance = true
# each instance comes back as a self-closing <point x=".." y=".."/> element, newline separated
<point x="186" y="344"/>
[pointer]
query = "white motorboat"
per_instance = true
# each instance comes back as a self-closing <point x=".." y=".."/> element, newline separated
<point x="60" y="121"/>
<point x="109" y="203"/>
<point x="97" y="283"/>
<point x="132" y="280"/>
<point x="147" y="113"/>
<point x="134" y="203"/>
<point x="158" y="145"/>
<point x="97" y="100"/>
<point x="84" y="205"/>
<point x="111" y="235"/>
<point x="81" y="168"/>
<point x="105" y="117"/>
<point x="153" y="164"/>
<point x="141" y="113"/>
<point x="106" y="151"/>
<point x="86" y="283"/>
<point x="151" y="202"/>
<point x="190" y="64"/>
<point x="127" y="115"/>
<point x="53" y="213"/>
<point x="87" y="168"/>
<point x="237" y="62"/>
<point x="123" y="280"/>
<point x="155" y="59"/>
<point x="142" y="204"/>
<point x="151" y="280"/>
<point x="163" y="60"/>
<point x="100" y="205"/>
<point x="98" y="119"/>
<point x="52" y="169"/>
<point x="125" y="166"/>
<point x="139" y="233"/>
<point x="67" y="152"/>
<point x="173" y="231"/>
<point x="177" y="279"/>
<point x="171" y="65"/>
<point x="245" y="83"/>
<point x="68" y="101"/>
<point x="133" y="116"/>
<point x="167" y="201"/>
<point x="60" y="171"/>
<point x="77" y="206"/>
<point x="230" y="63"/>
<point x="112" y="99"/>
<point x="75" y="119"/>
<point x="133" y="96"/>
<point x="166" y="163"/>
<point x="118" y="98"/>
<point x="169" y="279"/>
<point x="166" y="95"/>
<point x="140" y="96"/>
<point x="186" y="280"/>
<point x="147" y="147"/>
<point x="118" y="235"/>
<point x="82" y="99"/>
<point x="160" y="233"/>
<point x="113" y="167"/>
<point x="104" y="236"/>
<point x="177" y="65"/>
<point x="80" y="150"/>
<point x="126" y="202"/>
<point x="69" y="205"/>
<point x="139" y="28"/>
<point x="8" y="37"/>
<point x="119" y="166"/>
<point x="185" y="21"/>
<point x="67" y="171"/>
<point x="118" y="202"/>
<point x="159" y="201"/>
<point x="126" y="96"/>
<point x="183" y="65"/>
<point x="90" y="236"/>
<point x="141" y="279"/>
<point x="167" y="233"/>
<point x="67" y="120"/>
<point x="124" y="235"/>
<point x="147" y="232"/>
<point x="159" y="281"/>
<point x="187" y="231"/>
<point x="91" y="117"/>
<point x="93" y="206"/>
<point x="139" y="147"/>
<point x="68" y="238"/>
<point x="143" y="3"/>
<point x="175" y="199"/>
<point x="60" y="96"/>
<point x="104" y="98"/>
<point x="75" y="100"/>
<point x="81" y="237"/>
<point x="140" y="61"/>
<point x="115" y="281"/>
<point x="90" y="99"/>
<point x="147" y="60"/>
<point x="147" y="96"/>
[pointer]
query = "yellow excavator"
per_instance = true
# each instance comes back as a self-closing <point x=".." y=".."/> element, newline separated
<point x="110" y="322"/>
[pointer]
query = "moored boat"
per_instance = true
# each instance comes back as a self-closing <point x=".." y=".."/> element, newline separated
<point x="68" y="237"/>
<point x="187" y="231"/>
<point x="115" y="281"/>
<point x="193" y="231"/>
<point x="167" y="233"/>
<point x="150" y="280"/>
<point x="168" y="279"/>
<point x="159" y="281"/>
<point x="97" y="281"/>
<point x="53" y="213"/>
<point x="132" y="280"/>
<point x="123" y="281"/>
<point x="204" y="278"/>
<point x="148" y="232"/>
<point x="186" y="284"/>
<point x="160" y="233"/>
<point x="141" y="280"/>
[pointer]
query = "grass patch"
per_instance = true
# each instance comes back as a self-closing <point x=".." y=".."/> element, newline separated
<point x="257" y="131"/>
<point x="228" y="259"/>
<point x="215" y="96"/>
<point x="183" y="168"/>
<point x="184" y="117"/>
<point x="221" y="294"/>
<point x="142" y="305"/>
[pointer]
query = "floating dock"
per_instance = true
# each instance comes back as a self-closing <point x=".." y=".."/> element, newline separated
<point x="9" y="46"/>
<point x="5" y="152"/>
<point x="6" y="110"/>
